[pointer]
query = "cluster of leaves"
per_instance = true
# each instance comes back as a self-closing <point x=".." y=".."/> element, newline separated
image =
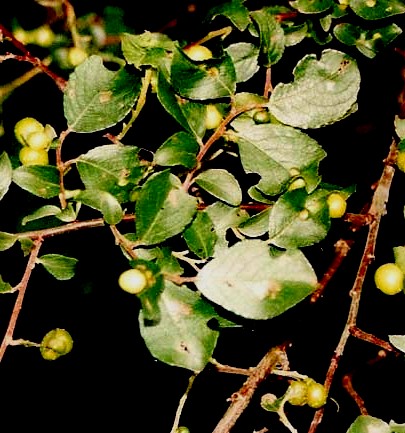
<point x="213" y="235"/>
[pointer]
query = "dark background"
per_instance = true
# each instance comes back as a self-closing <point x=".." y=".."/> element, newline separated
<point x="110" y="379"/>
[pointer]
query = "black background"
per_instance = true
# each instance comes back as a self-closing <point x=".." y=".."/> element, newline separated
<point x="110" y="378"/>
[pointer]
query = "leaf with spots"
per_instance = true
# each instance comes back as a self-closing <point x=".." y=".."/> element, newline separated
<point x="377" y="9"/>
<point x="323" y="91"/>
<point x="182" y="337"/>
<point x="96" y="98"/>
<point x="256" y="282"/>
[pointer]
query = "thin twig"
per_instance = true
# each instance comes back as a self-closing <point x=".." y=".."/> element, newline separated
<point x="22" y="287"/>
<point x="241" y="399"/>
<point x="182" y="403"/>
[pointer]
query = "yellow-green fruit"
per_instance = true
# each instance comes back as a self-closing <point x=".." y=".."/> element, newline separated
<point x="29" y="156"/>
<point x="262" y="116"/>
<point x="56" y="343"/>
<point x="76" y="55"/>
<point x="198" y="52"/>
<point x="297" y="393"/>
<point x="38" y="140"/>
<point x="133" y="281"/>
<point x="401" y="161"/>
<point x="24" y="127"/>
<point x="337" y="205"/>
<point x="316" y="395"/>
<point x="43" y="36"/>
<point x="389" y="278"/>
<point x="213" y="117"/>
<point x="22" y="35"/>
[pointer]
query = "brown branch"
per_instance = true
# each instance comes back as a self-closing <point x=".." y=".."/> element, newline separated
<point x="370" y="338"/>
<point x="28" y="57"/>
<point x="377" y="211"/>
<point x="348" y="385"/>
<point x="22" y="287"/>
<point x="241" y="399"/>
<point x="342" y="248"/>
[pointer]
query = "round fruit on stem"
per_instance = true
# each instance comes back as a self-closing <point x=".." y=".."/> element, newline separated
<point x="316" y="395"/>
<point x="76" y="55"/>
<point x="133" y="281"/>
<point x="262" y="116"/>
<point x="389" y="278"/>
<point x="38" y="140"/>
<point x="29" y="156"/>
<point x="26" y="126"/>
<point x="297" y="393"/>
<point x="198" y="53"/>
<point x="43" y="36"/>
<point x="56" y="343"/>
<point x="337" y="205"/>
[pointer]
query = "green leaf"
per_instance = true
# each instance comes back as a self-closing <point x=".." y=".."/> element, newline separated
<point x="103" y="201"/>
<point x="271" y="37"/>
<point x="399" y="254"/>
<point x="26" y="245"/>
<point x="225" y="218"/>
<point x="368" y="42"/>
<point x="167" y="262"/>
<point x="66" y="215"/>
<point x="189" y="114"/>
<point x="257" y="225"/>
<point x="277" y="153"/>
<point x="235" y="11"/>
<point x="323" y="92"/>
<point x="182" y="338"/>
<point x="367" y="424"/>
<point x="213" y="79"/>
<point x="96" y="98"/>
<point x="200" y="236"/>
<point x="245" y="59"/>
<point x="221" y="184"/>
<point x="5" y="287"/>
<point x="293" y="35"/>
<point x="40" y="180"/>
<point x="7" y="240"/>
<point x="180" y="149"/>
<point x="147" y="48"/>
<point x="398" y="341"/>
<point x="163" y="209"/>
<point x="311" y="6"/>
<point x="256" y="283"/>
<point x="61" y="267"/>
<point x="6" y="174"/>
<point x="110" y="168"/>
<point x="298" y="220"/>
<point x="377" y="9"/>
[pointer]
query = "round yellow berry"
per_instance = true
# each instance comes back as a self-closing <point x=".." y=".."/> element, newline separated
<point x="133" y="281"/>
<point x="26" y="126"/>
<point x="38" y="140"/>
<point x="29" y="156"/>
<point x="76" y="55"/>
<point x="198" y="53"/>
<point x="337" y="205"/>
<point x="389" y="278"/>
